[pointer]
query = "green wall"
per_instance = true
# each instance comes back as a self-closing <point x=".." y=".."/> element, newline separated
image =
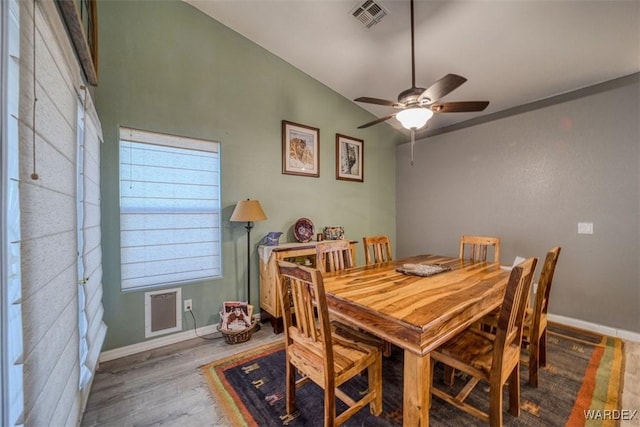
<point x="166" y="67"/>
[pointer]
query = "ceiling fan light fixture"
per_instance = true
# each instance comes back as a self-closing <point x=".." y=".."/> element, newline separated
<point x="417" y="98"/>
<point x="414" y="118"/>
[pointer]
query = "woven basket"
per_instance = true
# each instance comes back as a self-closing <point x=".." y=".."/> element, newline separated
<point x="236" y="337"/>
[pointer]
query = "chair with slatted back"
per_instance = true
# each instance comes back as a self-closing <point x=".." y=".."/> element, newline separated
<point x="534" y="333"/>
<point x="476" y="247"/>
<point x="333" y="255"/>
<point x="336" y="255"/>
<point x="494" y="359"/>
<point x="324" y="357"/>
<point x="377" y="249"/>
<point x="535" y="321"/>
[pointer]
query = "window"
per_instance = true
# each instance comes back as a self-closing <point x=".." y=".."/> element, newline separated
<point x="169" y="209"/>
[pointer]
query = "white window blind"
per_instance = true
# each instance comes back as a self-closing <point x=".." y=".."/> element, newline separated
<point x="11" y="339"/>
<point x="83" y="322"/>
<point x="169" y="209"/>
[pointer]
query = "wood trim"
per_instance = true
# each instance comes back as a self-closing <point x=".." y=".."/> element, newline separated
<point x="85" y="41"/>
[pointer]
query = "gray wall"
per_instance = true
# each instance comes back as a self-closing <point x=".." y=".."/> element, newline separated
<point x="166" y="67"/>
<point x="530" y="178"/>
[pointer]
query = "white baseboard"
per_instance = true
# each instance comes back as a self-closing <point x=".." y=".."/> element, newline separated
<point x="156" y="343"/>
<point x="604" y="330"/>
<point x="162" y="341"/>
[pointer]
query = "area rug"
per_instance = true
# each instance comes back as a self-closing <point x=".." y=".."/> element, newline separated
<point x="581" y="382"/>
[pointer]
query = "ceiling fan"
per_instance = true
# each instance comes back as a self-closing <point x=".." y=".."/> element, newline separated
<point x="417" y="105"/>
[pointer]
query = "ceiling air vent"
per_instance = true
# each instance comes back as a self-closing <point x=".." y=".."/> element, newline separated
<point x="369" y="13"/>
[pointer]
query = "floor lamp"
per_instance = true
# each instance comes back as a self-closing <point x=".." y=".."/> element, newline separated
<point x="248" y="211"/>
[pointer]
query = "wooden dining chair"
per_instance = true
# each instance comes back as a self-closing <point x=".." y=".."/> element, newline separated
<point x="320" y="355"/>
<point x="534" y="334"/>
<point x="333" y="255"/>
<point x="494" y="359"/>
<point x="476" y="248"/>
<point x="377" y="249"/>
<point x="535" y="321"/>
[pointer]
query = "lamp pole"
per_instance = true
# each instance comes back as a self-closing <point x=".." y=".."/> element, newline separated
<point x="248" y="211"/>
<point x="249" y="226"/>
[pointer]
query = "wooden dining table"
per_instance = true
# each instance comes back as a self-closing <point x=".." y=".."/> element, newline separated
<point x="415" y="313"/>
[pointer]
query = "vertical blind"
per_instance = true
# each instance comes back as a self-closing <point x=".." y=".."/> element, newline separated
<point x="11" y="339"/>
<point x="169" y="209"/>
<point x="83" y="322"/>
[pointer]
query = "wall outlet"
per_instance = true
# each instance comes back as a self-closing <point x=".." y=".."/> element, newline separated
<point x="188" y="306"/>
<point x="585" y="228"/>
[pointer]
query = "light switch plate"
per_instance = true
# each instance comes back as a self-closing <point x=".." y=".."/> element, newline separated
<point x="585" y="228"/>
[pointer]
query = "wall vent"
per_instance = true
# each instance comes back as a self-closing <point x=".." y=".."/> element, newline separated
<point x="369" y="13"/>
<point x="162" y="312"/>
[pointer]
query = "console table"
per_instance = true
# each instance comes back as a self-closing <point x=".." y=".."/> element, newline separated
<point x="300" y="253"/>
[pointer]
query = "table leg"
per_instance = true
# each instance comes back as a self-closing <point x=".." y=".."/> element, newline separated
<point x="276" y="322"/>
<point x="416" y="395"/>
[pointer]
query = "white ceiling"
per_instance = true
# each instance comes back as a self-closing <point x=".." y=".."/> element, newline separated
<point x="512" y="52"/>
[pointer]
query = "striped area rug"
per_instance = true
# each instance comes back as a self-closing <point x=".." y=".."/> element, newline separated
<point x="580" y="386"/>
<point x="599" y="395"/>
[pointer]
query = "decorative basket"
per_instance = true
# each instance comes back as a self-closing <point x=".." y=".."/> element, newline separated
<point x="236" y="337"/>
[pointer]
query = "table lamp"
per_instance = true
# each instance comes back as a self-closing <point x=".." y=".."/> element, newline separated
<point x="248" y="211"/>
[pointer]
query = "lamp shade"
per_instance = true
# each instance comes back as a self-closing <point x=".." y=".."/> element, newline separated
<point x="248" y="211"/>
<point x="414" y="118"/>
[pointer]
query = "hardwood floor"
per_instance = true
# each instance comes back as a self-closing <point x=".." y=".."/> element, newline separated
<point x="631" y="392"/>
<point x="165" y="387"/>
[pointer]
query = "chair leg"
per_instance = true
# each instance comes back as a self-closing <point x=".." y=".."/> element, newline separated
<point x="537" y="357"/>
<point x="291" y="388"/>
<point x="329" y="407"/>
<point x="386" y="348"/>
<point x="374" y="374"/>
<point x="542" y="348"/>
<point x="449" y="374"/>
<point x="514" y="391"/>
<point x="495" y="405"/>
<point x="534" y="362"/>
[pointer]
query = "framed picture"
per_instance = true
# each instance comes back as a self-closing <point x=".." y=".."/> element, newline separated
<point x="349" y="158"/>
<point x="300" y="149"/>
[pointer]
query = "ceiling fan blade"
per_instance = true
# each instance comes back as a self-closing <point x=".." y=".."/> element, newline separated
<point x="376" y="121"/>
<point x="442" y="87"/>
<point x="376" y="101"/>
<point x="459" y="107"/>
